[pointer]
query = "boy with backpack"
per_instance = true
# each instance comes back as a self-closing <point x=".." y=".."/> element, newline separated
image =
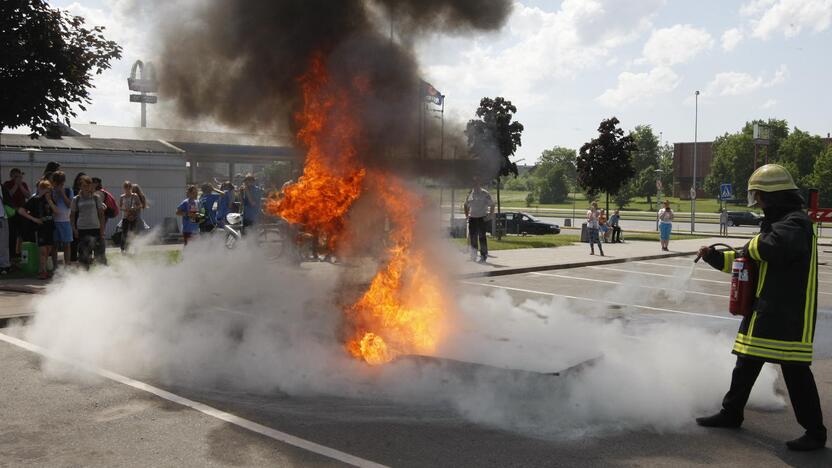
<point x="111" y="210"/>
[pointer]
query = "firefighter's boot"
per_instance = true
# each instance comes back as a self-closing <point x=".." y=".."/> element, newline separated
<point x="721" y="419"/>
<point x="806" y="443"/>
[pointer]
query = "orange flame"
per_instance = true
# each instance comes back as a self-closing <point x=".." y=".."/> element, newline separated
<point x="331" y="179"/>
<point x="401" y="312"/>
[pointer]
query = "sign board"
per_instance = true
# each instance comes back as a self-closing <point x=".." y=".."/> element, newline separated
<point x="658" y="185"/>
<point x="726" y="192"/>
<point x="142" y="85"/>
<point x="692" y="193"/>
<point x="145" y="98"/>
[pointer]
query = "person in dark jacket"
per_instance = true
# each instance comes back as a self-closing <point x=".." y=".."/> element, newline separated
<point x="781" y="327"/>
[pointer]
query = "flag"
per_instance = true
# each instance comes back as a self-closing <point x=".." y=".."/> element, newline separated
<point x="431" y="94"/>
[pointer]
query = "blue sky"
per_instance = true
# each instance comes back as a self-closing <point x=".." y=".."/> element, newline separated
<point x="566" y="65"/>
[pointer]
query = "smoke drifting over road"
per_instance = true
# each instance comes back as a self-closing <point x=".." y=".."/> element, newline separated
<point x="232" y="322"/>
<point x="238" y="62"/>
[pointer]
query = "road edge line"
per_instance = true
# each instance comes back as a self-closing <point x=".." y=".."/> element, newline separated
<point x="252" y="426"/>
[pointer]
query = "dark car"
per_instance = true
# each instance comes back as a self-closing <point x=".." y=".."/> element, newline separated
<point x="739" y="218"/>
<point x="523" y="223"/>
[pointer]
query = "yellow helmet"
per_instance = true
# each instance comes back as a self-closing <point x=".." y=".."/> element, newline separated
<point x="769" y="178"/>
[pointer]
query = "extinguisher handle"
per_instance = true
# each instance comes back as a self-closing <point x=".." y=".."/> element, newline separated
<point x="718" y="244"/>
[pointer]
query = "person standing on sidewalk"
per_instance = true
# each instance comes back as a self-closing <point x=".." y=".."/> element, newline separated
<point x="479" y="207"/>
<point x="593" y="227"/>
<point x="665" y="225"/>
<point x="616" y="229"/>
<point x="18" y="193"/>
<point x="723" y="222"/>
<point x="781" y="326"/>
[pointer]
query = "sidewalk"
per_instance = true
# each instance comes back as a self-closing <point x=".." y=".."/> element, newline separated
<point x="508" y="262"/>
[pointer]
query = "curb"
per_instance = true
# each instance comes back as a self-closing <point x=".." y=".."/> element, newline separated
<point x="21" y="289"/>
<point x="564" y="266"/>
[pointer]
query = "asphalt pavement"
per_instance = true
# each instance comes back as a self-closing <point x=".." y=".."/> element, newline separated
<point x="102" y="422"/>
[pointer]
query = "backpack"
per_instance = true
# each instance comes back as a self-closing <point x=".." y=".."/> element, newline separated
<point x="111" y="210"/>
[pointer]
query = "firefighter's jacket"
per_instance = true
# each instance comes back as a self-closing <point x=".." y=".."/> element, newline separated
<point x="781" y="327"/>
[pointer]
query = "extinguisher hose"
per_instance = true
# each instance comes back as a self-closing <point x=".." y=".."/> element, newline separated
<point x="718" y="244"/>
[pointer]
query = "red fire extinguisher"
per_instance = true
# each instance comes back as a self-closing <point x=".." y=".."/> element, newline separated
<point x="743" y="283"/>
<point x="743" y="286"/>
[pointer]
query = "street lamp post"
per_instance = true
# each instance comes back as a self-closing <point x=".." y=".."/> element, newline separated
<point x="693" y="186"/>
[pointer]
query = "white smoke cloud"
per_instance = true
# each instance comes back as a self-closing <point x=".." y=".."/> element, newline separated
<point x="231" y="320"/>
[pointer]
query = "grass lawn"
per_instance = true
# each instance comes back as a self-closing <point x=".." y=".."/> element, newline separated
<point x="557" y="240"/>
<point x="509" y="198"/>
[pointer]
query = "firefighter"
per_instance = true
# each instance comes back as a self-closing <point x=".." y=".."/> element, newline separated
<point x="781" y="326"/>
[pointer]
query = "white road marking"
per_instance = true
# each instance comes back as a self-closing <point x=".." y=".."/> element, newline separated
<point x="653" y="274"/>
<point x="685" y="267"/>
<point x="202" y="408"/>
<point x="627" y="284"/>
<point x="658" y="309"/>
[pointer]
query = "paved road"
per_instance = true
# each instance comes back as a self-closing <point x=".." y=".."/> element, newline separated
<point x="48" y="422"/>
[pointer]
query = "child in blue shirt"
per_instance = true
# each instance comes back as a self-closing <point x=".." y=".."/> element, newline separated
<point x="189" y="211"/>
<point x="207" y="203"/>
<point x="251" y="195"/>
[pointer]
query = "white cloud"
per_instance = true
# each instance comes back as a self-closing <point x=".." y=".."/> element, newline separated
<point x="737" y="83"/>
<point x="769" y="104"/>
<point x="676" y="44"/>
<point x="789" y="17"/>
<point x="540" y="45"/>
<point x="731" y="38"/>
<point x="634" y="87"/>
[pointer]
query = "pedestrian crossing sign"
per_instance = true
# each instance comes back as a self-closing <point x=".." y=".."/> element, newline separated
<point x="725" y="192"/>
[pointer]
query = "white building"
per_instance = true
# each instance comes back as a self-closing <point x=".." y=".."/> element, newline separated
<point x="158" y="167"/>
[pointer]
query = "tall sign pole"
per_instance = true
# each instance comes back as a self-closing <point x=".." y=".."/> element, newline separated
<point x="693" y="186"/>
<point x="145" y="84"/>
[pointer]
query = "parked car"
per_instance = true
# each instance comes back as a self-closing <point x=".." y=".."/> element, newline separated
<point x="739" y="218"/>
<point x="524" y="223"/>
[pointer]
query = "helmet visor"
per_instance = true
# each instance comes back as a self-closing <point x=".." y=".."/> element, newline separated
<point x="752" y="198"/>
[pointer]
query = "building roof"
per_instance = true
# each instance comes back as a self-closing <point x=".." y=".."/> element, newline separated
<point x="190" y="136"/>
<point x="16" y="142"/>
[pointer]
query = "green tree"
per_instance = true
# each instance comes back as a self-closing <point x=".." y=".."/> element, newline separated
<point x="647" y="144"/>
<point x="733" y="160"/>
<point x="666" y="165"/>
<point x="562" y="157"/>
<point x="553" y="186"/>
<point x="48" y="61"/>
<point x="624" y="195"/>
<point x="778" y="131"/>
<point x="798" y="152"/>
<point x="494" y="136"/>
<point x="605" y="162"/>
<point x="645" y="162"/>
<point x="733" y="163"/>
<point x="822" y="177"/>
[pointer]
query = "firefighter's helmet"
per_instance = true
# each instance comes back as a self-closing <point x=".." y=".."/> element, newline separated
<point x="769" y="178"/>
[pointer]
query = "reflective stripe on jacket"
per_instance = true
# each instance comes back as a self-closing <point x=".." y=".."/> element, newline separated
<point x="781" y="328"/>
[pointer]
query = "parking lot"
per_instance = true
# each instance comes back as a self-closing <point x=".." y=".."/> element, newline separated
<point x="49" y="421"/>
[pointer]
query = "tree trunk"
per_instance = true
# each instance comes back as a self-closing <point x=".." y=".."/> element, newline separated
<point x="608" y="203"/>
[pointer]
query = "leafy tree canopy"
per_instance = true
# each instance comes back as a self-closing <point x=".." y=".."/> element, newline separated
<point x="822" y="177"/>
<point x="605" y="162"/>
<point x="49" y="58"/>
<point x="798" y="152"/>
<point x="494" y="136"/>
<point x="647" y="143"/>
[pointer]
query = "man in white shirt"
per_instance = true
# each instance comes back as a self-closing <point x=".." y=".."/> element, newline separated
<point x="479" y="207"/>
<point x="723" y="222"/>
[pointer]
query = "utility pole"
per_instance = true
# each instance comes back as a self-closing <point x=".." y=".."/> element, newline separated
<point x="693" y="186"/>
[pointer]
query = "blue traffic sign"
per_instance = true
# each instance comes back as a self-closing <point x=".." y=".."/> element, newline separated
<point x="726" y="192"/>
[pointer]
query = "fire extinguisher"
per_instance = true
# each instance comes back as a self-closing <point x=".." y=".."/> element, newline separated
<point x="743" y="283"/>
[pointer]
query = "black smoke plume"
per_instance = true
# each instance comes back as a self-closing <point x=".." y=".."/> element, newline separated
<point x="237" y="62"/>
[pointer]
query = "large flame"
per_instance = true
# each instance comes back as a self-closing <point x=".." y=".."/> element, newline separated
<point x="401" y="312"/>
<point x="332" y="177"/>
